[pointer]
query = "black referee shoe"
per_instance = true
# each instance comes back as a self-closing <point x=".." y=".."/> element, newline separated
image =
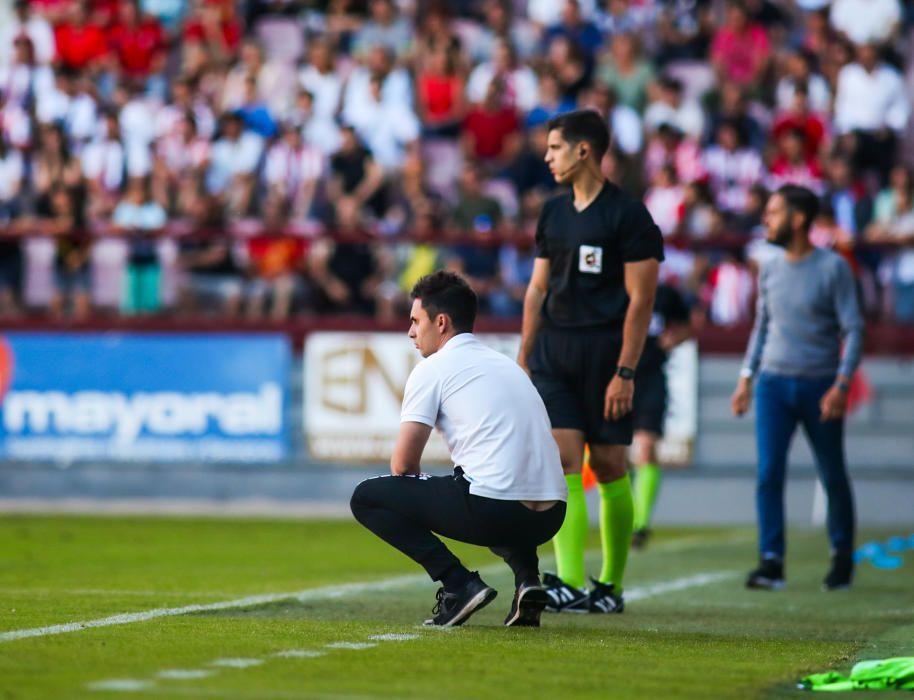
<point x="455" y="608"/>
<point x="604" y="599"/>
<point x="529" y="601"/>
<point x="564" y="597"/>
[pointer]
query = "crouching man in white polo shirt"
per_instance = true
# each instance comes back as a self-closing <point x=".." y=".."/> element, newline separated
<point x="507" y="492"/>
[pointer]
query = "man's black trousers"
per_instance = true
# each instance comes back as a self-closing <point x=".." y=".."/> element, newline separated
<point x="405" y="511"/>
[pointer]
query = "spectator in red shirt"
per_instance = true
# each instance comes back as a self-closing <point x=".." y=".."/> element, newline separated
<point x="740" y="49"/>
<point x="491" y="131"/>
<point x="213" y="24"/>
<point x="275" y="260"/>
<point x="440" y="94"/>
<point x="799" y="117"/>
<point x="137" y="42"/>
<point x="793" y="164"/>
<point x="80" y="44"/>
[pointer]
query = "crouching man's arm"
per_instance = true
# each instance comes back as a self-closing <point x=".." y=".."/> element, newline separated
<point x="408" y="448"/>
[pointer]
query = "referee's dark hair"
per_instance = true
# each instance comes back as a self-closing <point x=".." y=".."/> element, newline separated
<point x="583" y="125"/>
<point x="802" y="200"/>
<point x="448" y="293"/>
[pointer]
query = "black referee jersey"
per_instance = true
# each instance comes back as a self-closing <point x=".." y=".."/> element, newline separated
<point x="587" y="252"/>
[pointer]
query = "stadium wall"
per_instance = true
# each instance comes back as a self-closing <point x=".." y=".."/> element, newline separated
<point x="716" y="486"/>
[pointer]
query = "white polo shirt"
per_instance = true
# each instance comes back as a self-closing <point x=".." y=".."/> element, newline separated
<point x="492" y="419"/>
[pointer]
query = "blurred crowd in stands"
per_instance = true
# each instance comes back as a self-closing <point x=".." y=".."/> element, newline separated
<point x="263" y="158"/>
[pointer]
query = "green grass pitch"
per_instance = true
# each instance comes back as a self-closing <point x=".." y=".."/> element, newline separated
<point x="689" y="631"/>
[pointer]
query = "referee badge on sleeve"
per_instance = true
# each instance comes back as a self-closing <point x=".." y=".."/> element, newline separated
<point x="590" y="259"/>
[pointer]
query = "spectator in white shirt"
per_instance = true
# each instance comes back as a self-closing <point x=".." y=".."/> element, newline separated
<point x="35" y="27"/>
<point x="871" y="109"/>
<point x="866" y="21"/>
<point x="665" y="200"/>
<point x="233" y="166"/>
<point x="548" y="12"/>
<point x="104" y="165"/>
<point x="185" y="98"/>
<point x="15" y="124"/>
<point x="387" y="128"/>
<point x="72" y="104"/>
<point x="670" y="106"/>
<point x="137" y="120"/>
<point x="732" y="168"/>
<point x="12" y="173"/>
<point x="274" y="81"/>
<point x="292" y="172"/>
<point x="396" y="84"/>
<point x="521" y="86"/>
<point x="180" y="155"/>
<point x="322" y="132"/>
<point x="322" y="77"/>
<point x="799" y="70"/>
<point x="24" y="80"/>
<point x="731" y="291"/>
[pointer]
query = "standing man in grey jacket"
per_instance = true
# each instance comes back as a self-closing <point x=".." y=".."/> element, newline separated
<point x="807" y="305"/>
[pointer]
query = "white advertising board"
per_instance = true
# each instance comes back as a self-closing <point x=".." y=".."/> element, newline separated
<point x="354" y="386"/>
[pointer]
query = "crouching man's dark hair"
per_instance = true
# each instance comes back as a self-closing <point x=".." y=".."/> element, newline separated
<point x="447" y="293"/>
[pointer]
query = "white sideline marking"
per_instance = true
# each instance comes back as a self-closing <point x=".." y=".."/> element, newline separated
<point x="180" y="674"/>
<point x="236" y="663"/>
<point x="309" y="594"/>
<point x="679" y="584"/>
<point x="393" y="637"/>
<point x="299" y="654"/>
<point x="122" y="684"/>
<point x="326" y="593"/>
<point x="350" y="645"/>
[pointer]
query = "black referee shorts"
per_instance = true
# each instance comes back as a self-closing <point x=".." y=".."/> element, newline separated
<point x="649" y="405"/>
<point x="571" y="369"/>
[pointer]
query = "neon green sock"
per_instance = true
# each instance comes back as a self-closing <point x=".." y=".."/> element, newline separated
<point x="647" y="483"/>
<point x="615" y="528"/>
<point x="571" y="539"/>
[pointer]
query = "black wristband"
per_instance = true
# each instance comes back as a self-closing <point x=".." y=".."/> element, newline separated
<point x="625" y="372"/>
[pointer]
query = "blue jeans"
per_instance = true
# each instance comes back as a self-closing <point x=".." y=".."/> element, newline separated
<point x="782" y="402"/>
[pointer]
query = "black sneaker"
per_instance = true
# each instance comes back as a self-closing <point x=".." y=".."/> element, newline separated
<point x="453" y="609"/>
<point x="604" y="599"/>
<point x="562" y="597"/>
<point x="841" y="574"/>
<point x="640" y="538"/>
<point x="529" y="601"/>
<point x="769" y="576"/>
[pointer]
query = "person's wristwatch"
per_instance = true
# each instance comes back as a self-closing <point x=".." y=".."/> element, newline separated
<point x="625" y="372"/>
<point x="843" y="386"/>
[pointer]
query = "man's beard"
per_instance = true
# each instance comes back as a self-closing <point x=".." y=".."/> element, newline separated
<point x="782" y="236"/>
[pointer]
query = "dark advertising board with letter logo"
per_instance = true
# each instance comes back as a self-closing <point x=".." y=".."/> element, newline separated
<point x="156" y="398"/>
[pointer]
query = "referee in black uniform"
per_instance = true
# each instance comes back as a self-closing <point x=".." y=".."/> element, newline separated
<point x="586" y="315"/>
